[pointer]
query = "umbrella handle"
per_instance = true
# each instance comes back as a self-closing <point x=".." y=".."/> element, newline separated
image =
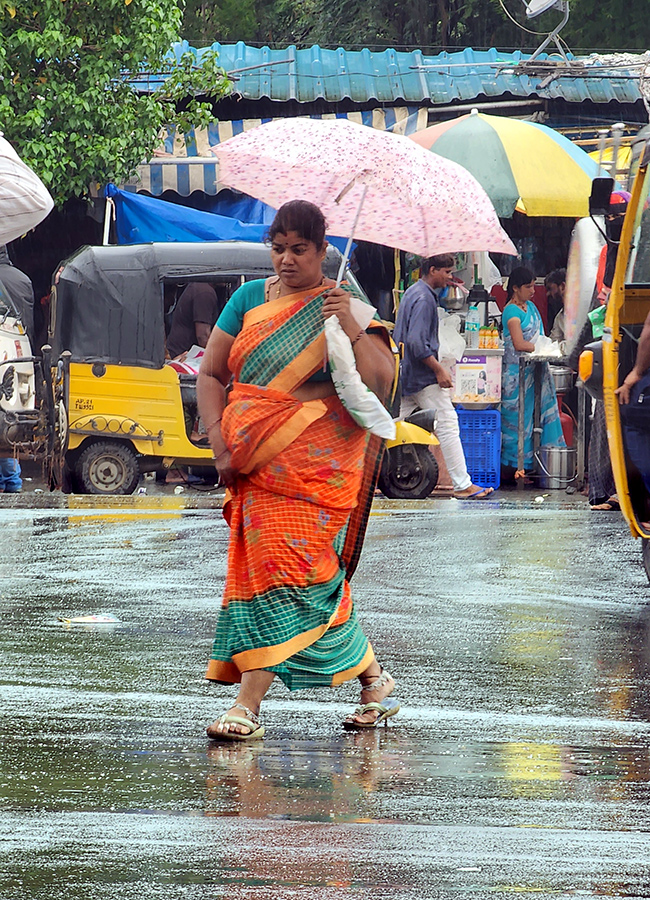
<point x="348" y="246"/>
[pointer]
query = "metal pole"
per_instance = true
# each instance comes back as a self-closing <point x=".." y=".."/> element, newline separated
<point x="521" y="424"/>
<point x="580" y="435"/>
<point x="348" y="246"/>
<point x="617" y="134"/>
<point x="108" y="213"/>
<point x="602" y="140"/>
<point x="537" y="411"/>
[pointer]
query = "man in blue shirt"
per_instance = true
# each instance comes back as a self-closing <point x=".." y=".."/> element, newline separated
<point x="425" y="381"/>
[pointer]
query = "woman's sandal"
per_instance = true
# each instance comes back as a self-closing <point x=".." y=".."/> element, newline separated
<point x="384" y="709"/>
<point x="252" y="722"/>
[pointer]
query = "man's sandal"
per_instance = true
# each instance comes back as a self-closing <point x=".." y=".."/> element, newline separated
<point x="252" y="722"/>
<point x="384" y="709"/>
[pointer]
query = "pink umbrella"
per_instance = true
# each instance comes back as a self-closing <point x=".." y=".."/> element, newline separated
<point x="371" y="185"/>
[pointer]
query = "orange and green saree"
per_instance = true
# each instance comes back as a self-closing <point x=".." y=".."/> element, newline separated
<point x="298" y="512"/>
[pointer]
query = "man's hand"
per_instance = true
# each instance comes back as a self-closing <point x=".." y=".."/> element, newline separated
<point x="443" y="377"/>
<point x="623" y="393"/>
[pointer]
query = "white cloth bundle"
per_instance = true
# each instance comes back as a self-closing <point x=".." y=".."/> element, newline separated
<point x="544" y="346"/>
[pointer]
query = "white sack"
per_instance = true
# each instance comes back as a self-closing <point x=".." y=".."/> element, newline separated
<point x="451" y="342"/>
<point x="365" y="407"/>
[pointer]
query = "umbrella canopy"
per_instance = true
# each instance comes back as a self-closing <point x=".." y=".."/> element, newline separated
<point x="522" y="165"/>
<point x="24" y="199"/>
<point x="623" y="158"/>
<point x="403" y="196"/>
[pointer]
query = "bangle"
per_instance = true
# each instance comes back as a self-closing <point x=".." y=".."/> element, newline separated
<point x="209" y="427"/>
<point x="357" y="338"/>
<point x="223" y="452"/>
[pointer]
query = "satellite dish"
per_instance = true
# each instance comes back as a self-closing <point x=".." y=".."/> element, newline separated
<point x="536" y="8"/>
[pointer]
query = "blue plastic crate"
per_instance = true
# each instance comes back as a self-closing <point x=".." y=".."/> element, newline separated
<point x="480" y="435"/>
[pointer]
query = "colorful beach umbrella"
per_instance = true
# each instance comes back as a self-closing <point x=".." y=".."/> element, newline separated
<point x="370" y="184"/>
<point x="522" y="166"/>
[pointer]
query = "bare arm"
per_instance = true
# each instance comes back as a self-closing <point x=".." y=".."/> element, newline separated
<point x="443" y="377"/>
<point x="518" y="341"/>
<point x="374" y="360"/>
<point x="202" y="331"/>
<point x="641" y="365"/>
<point x="211" y="383"/>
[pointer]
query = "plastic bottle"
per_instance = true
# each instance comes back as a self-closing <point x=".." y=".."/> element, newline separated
<point x="472" y="325"/>
<point x="494" y="342"/>
<point x="483" y="337"/>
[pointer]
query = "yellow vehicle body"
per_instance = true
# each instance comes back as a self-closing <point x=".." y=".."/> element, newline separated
<point x="135" y="404"/>
<point x="628" y="306"/>
<point x="407" y="433"/>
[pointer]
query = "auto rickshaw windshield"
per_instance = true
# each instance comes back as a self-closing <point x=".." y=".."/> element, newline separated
<point x="638" y="271"/>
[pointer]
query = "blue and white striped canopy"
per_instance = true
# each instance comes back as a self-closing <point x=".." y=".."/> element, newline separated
<point x="185" y="163"/>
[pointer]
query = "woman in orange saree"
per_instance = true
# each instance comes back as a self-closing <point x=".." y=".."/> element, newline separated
<point x="300" y="476"/>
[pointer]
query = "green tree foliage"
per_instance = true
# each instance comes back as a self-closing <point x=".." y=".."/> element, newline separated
<point x="352" y="24"/>
<point x="430" y="25"/>
<point x="614" y="25"/>
<point x="67" y="104"/>
<point x="206" y="21"/>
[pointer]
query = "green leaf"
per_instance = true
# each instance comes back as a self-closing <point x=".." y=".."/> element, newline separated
<point x="67" y="103"/>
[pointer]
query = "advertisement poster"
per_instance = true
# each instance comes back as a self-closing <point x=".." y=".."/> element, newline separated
<point x="477" y="379"/>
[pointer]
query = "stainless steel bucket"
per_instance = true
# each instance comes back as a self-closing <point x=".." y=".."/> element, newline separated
<point x="563" y="378"/>
<point x="556" y="467"/>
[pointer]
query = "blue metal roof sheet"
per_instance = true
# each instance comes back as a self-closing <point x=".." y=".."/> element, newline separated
<point x="389" y="76"/>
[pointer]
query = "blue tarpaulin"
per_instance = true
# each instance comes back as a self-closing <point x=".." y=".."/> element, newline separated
<point x="140" y="219"/>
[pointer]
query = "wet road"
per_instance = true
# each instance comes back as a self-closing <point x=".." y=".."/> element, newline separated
<point x="520" y="763"/>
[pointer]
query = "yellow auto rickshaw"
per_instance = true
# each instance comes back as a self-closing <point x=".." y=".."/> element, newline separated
<point x="120" y="407"/>
<point x="604" y="365"/>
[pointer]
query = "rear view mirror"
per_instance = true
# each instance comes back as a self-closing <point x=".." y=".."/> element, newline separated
<point x="601" y="191"/>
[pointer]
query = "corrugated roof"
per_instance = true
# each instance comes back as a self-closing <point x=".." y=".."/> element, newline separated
<point x="391" y="76"/>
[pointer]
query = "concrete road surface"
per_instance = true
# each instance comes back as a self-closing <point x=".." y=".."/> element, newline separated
<point x="519" y="764"/>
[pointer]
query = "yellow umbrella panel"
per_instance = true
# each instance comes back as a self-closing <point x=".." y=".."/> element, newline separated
<point x="521" y="165"/>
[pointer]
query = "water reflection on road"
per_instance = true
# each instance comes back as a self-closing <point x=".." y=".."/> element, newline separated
<point x="520" y="762"/>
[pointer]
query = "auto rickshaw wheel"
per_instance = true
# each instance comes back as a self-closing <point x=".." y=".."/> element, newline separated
<point x="107" y="467"/>
<point x="408" y="472"/>
<point x="645" y="550"/>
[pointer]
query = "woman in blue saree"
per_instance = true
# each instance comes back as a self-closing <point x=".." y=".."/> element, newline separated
<point x="522" y="325"/>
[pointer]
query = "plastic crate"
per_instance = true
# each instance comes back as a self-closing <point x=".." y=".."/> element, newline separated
<point x="480" y="435"/>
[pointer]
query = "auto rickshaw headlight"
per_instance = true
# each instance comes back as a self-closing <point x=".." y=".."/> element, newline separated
<point x="590" y="369"/>
<point x="586" y="365"/>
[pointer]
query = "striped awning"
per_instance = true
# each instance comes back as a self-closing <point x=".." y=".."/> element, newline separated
<point x="185" y="164"/>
